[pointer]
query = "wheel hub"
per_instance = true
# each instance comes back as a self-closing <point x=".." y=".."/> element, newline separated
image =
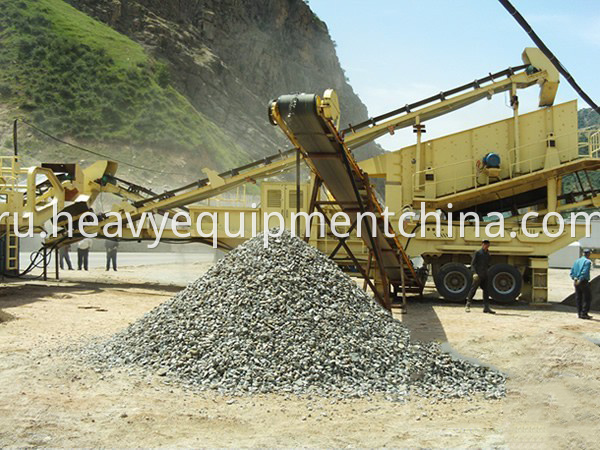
<point x="504" y="282"/>
<point x="455" y="282"/>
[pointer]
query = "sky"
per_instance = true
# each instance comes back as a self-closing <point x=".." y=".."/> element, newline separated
<point x="398" y="51"/>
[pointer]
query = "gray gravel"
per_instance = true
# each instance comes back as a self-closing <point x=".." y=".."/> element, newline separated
<point x="286" y="319"/>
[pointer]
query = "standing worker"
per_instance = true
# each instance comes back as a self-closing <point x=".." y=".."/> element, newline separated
<point x="63" y="253"/>
<point x="83" y="251"/>
<point x="111" y="253"/>
<point x="580" y="273"/>
<point x="479" y="266"/>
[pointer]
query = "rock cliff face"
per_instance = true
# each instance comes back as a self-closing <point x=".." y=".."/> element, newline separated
<point x="230" y="57"/>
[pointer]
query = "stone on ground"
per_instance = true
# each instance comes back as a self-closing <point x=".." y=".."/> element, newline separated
<point x="286" y="319"/>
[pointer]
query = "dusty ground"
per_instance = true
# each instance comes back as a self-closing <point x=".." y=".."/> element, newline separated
<point x="47" y="399"/>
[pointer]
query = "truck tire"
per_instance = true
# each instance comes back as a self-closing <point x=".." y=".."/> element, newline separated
<point x="453" y="281"/>
<point x="505" y="282"/>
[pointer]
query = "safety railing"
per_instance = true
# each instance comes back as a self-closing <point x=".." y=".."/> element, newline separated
<point x="533" y="164"/>
<point x="419" y="186"/>
<point x="594" y="144"/>
<point x="10" y="172"/>
<point x="469" y="171"/>
<point x="238" y="198"/>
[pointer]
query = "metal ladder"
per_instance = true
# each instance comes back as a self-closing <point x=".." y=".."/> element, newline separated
<point x="11" y="242"/>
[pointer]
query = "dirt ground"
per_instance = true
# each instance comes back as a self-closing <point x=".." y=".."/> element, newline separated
<point x="48" y="399"/>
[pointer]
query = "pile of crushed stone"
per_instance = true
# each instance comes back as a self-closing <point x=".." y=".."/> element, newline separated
<point x="286" y="319"/>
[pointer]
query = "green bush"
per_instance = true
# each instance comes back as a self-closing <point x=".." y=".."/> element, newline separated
<point x="5" y="89"/>
<point x="163" y="76"/>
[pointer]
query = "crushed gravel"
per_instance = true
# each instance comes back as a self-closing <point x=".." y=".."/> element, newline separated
<point x="286" y="319"/>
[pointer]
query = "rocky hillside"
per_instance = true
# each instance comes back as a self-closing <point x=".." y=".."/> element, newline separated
<point x="588" y="118"/>
<point x="230" y="57"/>
<point x="174" y="83"/>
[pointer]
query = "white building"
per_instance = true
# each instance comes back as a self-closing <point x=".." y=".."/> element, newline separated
<point x="563" y="259"/>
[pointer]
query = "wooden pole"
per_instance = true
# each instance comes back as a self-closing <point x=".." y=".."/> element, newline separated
<point x="56" y="263"/>
<point x="369" y="261"/>
<point x="298" y="202"/>
<point x="45" y="256"/>
<point x="404" y="304"/>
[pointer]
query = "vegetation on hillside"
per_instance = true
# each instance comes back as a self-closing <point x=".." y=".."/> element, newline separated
<point x="77" y="77"/>
<point x="587" y="117"/>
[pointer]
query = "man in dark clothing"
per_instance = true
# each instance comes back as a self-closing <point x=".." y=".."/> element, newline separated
<point x="580" y="273"/>
<point x="63" y="252"/>
<point x="479" y="266"/>
<point x="111" y="253"/>
<point x="83" y="253"/>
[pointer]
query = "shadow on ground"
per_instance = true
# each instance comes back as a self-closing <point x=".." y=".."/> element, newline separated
<point x="425" y="324"/>
<point x="22" y="292"/>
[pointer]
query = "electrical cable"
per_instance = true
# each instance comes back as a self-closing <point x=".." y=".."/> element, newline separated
<point x="93" y="152"/>
<point x="417" y="226"/>
<point x="34" y="263"/>
<point x="546" y="51"/>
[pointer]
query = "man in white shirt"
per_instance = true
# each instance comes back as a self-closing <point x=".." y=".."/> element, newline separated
<point x="83" y="252"/>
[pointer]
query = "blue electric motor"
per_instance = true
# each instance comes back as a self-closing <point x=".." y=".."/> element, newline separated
<point x="491" y="160"/>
